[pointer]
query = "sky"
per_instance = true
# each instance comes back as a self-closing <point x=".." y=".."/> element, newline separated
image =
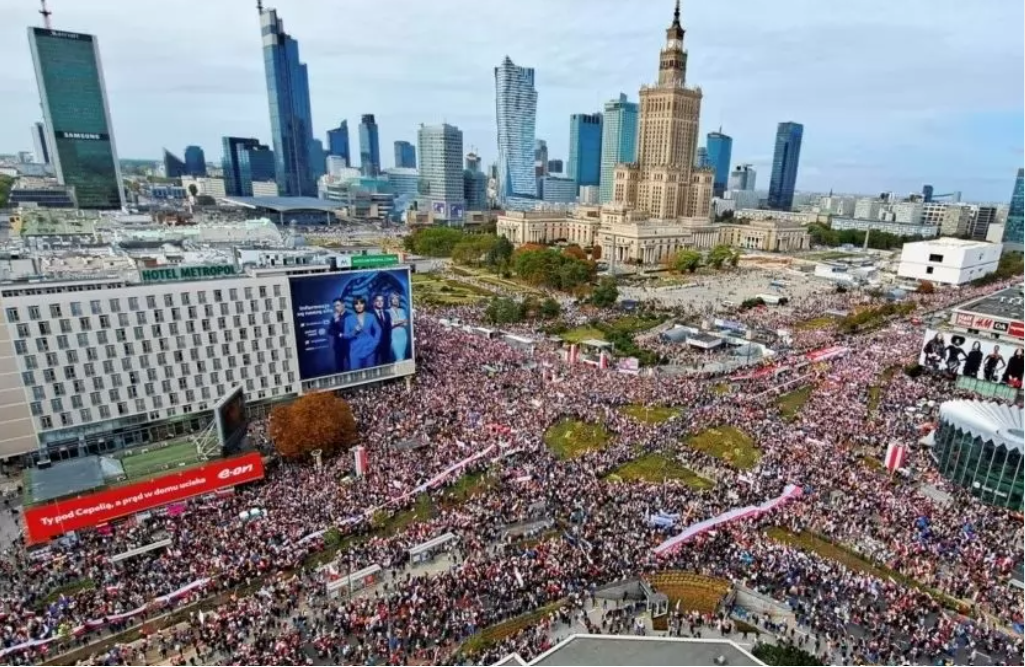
<point x="892" y="94"/>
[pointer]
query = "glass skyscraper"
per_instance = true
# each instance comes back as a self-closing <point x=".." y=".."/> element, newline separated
<point x="441" y="170"/>
<point x="369" y="146"/>
<point x="76" y="115"/>
<point x="585" y="148"/>
<point x="785" y="160"/>
<point x="195" y="161"/>
<point x="405" y="155"/>
<point x="174" y="166"/>
<point x="1014" y="230"/>
<point x="39" y="143"/>
<point x="618" y="141"/>
<point x="288" y="94"/>
<point x="246" y="160"/>
<point x="516" y="116"/>
<point x="338" y="142"/>
<point x="720" y="150"/>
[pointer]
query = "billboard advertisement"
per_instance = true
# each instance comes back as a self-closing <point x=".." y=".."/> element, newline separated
<point x="978" y="358"/>
<point x="352" y="321"/>
<point x="983" y="323"/>
<point x="45" y="522"/>
<point x="232" y="424"/>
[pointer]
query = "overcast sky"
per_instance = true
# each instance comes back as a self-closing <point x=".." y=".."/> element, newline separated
<point x="892" y="93"/>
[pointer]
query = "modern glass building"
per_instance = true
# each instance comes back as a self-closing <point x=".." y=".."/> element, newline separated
<point x="369" y="146"/>
<point x="785" y="160"/>
<point x="195" y="161"/>
<point x="403" y="181"/>
<point x="405" y="155"/>
<point x="174" y="166"/>
<point x="246" y="160"/>
<point x="441" y="170"/>
<point x="978" y="446"/>
<point x="76" y="115"/>
<point x="288" y="95"/>
<point x="318" y="158"/>
<point x="516" y="116"/>
<point x="1014" y="230"/>
<point x="720" y="151"/>
<point x="618" y="141"/>
<point x="585" y="148"/>
<point x="475" y="189"/>
<point x="338" y="142"/>
<point x="39" y="143"/>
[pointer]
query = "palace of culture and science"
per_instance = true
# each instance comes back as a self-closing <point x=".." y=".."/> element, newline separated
<point x="661" y="203"/>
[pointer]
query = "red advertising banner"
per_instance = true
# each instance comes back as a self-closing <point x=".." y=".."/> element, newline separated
<point x="45" y="522"/>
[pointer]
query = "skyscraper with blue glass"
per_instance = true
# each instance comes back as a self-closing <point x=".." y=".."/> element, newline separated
<point x="246" y="160"/>
<point x="720" y="150"/>
<point x="195" y="161"/>
<point x="585" y="148"/>
<point x="516" y="116"/>
<point x="288" y="95"/>
<point x="618" y="141"/>
<point x="369" y="146"/>
<point x="1014" y="230"/>
<point x="405" y="155"/>
<point x="785" y="160"/>
<point x="338" y="142"/>
<point x="76" y="115"/>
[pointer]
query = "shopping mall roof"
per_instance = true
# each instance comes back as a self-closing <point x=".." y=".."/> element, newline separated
<point x="598" y="650"/>
<point x="1007" y="303"/>
<point x="1003" y="424"/>
<point x="284" y="204"/>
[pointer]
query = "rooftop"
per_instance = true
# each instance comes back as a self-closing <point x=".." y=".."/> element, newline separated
<point x="1007" y="303"/>
<point x="952" y="242"/>
<point x="996" y="422"/>
<point x="599" y="650"/>
<point x="284" y="204"/>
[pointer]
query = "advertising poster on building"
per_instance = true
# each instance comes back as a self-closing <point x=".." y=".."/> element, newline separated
<point x="232" y="423"/>
<point x="352" y="321"/>
<point x="996" y="361"/>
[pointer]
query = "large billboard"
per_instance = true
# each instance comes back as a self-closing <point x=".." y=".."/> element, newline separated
<point x="232" y="424"/>
<point x="955" y="353"/>
<point x="45" y="522"/>
<point x="352" y="321"/>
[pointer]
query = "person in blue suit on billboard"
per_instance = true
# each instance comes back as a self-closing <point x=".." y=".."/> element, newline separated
<point x="364" y="336"/>
<point x="399" y="327"/>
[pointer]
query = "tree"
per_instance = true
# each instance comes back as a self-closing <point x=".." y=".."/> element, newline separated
<point x="6" y="183"/>
<point x="551" y="268"/>
<point x="550" y="308"/>
<point x="606" y="293"/>
<point x="926" y="287"/>
<point x="315" y="421"/>
<point x="784" y="654"/>
<point x="719" y="255"/>
<point x="503" y="310"/>
<point x="734" y="258"/>
<point x="500" y="253"/>
<point x="473" y="249"/>
<point x="575" y="251"/>
<point x="193" y="190"/>
<point x="596" y="253"/>
<point x="433" y="241"/>
<point x="685" y="261"/>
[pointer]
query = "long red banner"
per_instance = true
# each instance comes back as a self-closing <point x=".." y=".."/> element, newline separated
<point x="45" y="522"/>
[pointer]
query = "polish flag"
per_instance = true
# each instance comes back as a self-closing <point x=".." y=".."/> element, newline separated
<point x="360" y="463"/>
<point x="896" y="456"/>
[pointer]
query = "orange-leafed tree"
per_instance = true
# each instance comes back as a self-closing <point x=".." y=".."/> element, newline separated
<point x="314" y="421"/>
<point x="596" y="253"/>
<point x="575" y="251"/>
<point x="926" y="287"/>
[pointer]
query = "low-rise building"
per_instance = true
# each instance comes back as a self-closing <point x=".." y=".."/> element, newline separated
<point x="949" y="261"/>
<point x="897" y="228"/>
<point x="797" y="217"/>
<point x="766" y="234"/>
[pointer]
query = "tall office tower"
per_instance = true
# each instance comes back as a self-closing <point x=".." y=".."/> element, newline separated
<point x="785" y="160"/>
<point x="79" y="134"/>
<point x="540" y="158"/>
<point x="472" y="162"/>
<point x="555" y="166"/>
<point x="982" y="218"/>
<point x="246" y="160"/>
<point x="585" y="148"/>
<point x="338" y="142"/>
<point x="743" y="177"/>
<point x="1014" y="228"/>
<point x="927" y="191"/>
<point x="288" y="95"/>
<point x="195" y="161"/>
<point x="618" y="141"/>
<point x="475" y="186"/>
<point x="369" y="146"/>
<point x="516" y="115"/>
<point x="174" y="166"/>
<point x="701" y="158"/>
<point x="405" y="155"/>
<point x="441" y="170"/>
<point x="720" y="151"/>
<point x="663" y="182"/>
<point x="39" y="144"/>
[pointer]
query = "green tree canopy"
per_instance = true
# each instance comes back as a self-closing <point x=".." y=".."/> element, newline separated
<point x="719" y="255"/>
<point x="433" y="241"/>
<point x="550" y="268"/>
<point x="685" y="261"/>
<point x="503" y="310"/>
<point x="606" y="293"/>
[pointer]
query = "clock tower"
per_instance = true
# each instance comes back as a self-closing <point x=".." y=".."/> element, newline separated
<point x="672" y="66"/>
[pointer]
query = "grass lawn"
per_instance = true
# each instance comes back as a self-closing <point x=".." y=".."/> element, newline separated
<point x="158" y="459"/>
<point x="467" y="487"/>
<point x="571" y="438"/>
<point x="631" y="324"/>
<point x="500" y="631"/>
<point x="656" y="468"/>
<point x="875" y="392"/>
<point x="445" y="291"/>
<point x="655" y="414"/>
<point x="791" y="402"/>
<point x="855" y="561"/>
<point x="69" y="589"/>
<point x="729" y="444"/>
<point x="581" y="334"/>
<point x="815" y="323"/>
<point x="506" y="284"/>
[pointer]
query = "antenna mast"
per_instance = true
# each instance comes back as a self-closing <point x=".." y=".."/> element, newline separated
<point x="46" y="13"/>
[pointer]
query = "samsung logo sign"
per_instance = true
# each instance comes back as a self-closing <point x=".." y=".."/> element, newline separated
<point x="83" y="136"/>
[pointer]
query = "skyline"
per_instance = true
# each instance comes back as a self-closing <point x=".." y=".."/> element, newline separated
<point x="958" y="132"/>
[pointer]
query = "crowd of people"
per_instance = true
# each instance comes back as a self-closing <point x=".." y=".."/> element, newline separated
<point x="474" y="395"/>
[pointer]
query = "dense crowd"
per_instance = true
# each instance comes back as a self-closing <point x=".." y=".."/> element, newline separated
<point x="475" y="395"/>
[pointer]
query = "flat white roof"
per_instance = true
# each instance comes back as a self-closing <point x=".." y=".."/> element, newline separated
<point x="951" y="242"/>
